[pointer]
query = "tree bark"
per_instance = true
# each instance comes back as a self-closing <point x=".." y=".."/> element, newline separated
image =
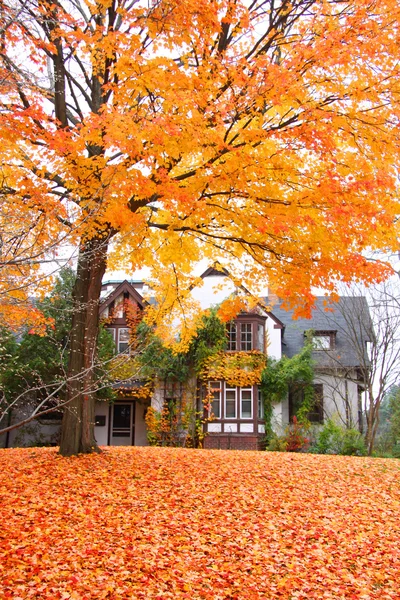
<point x="77" y="430"/>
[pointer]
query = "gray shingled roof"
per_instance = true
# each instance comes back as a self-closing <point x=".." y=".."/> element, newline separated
<point x="349" y="319"/>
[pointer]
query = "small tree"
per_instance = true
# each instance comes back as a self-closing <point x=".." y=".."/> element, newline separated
<point x="33" y="371"/>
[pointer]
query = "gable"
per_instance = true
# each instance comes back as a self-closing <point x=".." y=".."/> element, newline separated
<point x="122" y="289"/>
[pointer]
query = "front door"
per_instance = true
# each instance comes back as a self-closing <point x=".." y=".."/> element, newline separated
<point x="122" y="424"/>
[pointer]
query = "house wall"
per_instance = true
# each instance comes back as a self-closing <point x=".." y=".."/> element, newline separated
<point x="39" y="432"/>
<point x="274" y="339"/>
<point x="140" y="434"/>
<point x="280" y="416"/>
<point x="339" y="392"/>
<point x="101" y="432"/>
<point x="214" y="290"/>
<point x="140" y="424"/>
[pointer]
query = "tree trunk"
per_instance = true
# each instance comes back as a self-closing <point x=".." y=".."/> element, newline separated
<point x="77" y="430"/>
<point x="372" y="421"/>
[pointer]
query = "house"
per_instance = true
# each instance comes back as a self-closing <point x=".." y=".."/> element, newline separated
<point x="237" y="410"/>
<point x="232" y="411"/>
<point x="341" y="333"/>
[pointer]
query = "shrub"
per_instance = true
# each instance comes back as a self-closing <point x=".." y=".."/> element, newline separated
<point x="293" y="440"/>
<point x="277" y="443"/>
<point x="334" y="439"/>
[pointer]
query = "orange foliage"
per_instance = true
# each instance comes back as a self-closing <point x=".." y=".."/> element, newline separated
<point x="202" y="129"/>
<point x="241" y="369"/>
<point x="170" y="523"/>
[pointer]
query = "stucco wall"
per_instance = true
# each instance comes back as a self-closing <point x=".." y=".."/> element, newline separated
<point x="339" y="391"/>
<point x="274" y="347"/>
<point x="101" y="433"/>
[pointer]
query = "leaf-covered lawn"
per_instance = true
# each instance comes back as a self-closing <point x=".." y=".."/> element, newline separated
<point x="171" y="523"/>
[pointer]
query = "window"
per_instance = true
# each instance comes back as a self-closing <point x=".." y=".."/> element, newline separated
<point x="260" y="337"/>
<point x="230" y="403"/>
<point x="296" y="399"/>
<point x="260" y="405"/>
<point x="215" y="392"/>
<point x="123" y="341"/>
<point x="246" y="401"/>
<point x="316" y="414"/>
<point x="118" y="312"/>
<point x="323" y="340"/>
<point x="232" y="336"/>
<point x="245" y="336"/>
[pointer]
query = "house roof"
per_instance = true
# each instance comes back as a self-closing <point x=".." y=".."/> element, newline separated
<point x="349" y="319"/>
<point x="124" y="286"/>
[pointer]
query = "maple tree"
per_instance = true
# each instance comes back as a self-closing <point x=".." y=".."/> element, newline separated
<point x="261" y="134"/>
<point x="179" y="523"/>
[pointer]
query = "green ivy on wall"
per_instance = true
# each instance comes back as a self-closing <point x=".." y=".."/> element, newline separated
<point x="279" y="375"/>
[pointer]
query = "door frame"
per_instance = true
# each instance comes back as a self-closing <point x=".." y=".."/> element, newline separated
<point x="111" y="420"/>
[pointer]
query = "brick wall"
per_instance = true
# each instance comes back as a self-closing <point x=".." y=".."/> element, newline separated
<point x="232" y="442"/>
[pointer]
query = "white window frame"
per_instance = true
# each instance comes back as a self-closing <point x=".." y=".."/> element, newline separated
<point x="241" y="390"/>
<point x="230" y="389"/>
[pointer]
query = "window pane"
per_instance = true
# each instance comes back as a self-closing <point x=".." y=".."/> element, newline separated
<point x="246" y="404"/>
<point x="246" y="409"/>
<point x="215" y="408"/>
<point x="321" y="342"/>
<point x="230" y="409"/>
<point x="245" y="336"/>
<point x="232" y="336"/>
<point x="260" y="338"/>
<point x="118" y="312"/>
<point x="123" y="340"/>
<point x="122" y="416"/>
<point x="230" y="403"/>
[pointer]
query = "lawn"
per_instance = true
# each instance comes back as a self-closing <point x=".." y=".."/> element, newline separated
<point x="171" y="523"/>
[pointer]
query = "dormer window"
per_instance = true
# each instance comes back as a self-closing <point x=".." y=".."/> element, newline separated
<point x="323" y="340"/>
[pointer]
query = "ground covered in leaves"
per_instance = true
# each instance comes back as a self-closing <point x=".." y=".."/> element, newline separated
<point x="172" y="523"/>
